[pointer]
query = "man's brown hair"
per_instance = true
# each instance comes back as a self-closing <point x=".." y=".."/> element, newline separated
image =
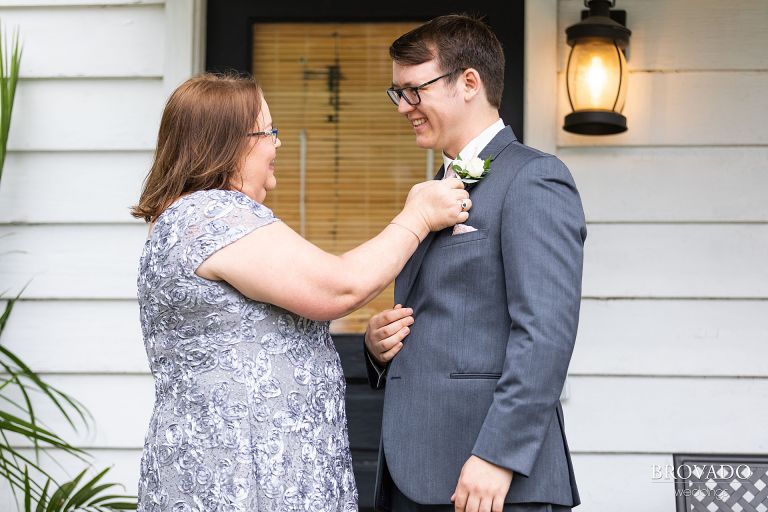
<point x="202" y="139"/>
<point x="458" y="42"/>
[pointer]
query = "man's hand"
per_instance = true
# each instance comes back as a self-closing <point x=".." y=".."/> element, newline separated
<point x="482" y="487"/>
<point x="385" y="333"/>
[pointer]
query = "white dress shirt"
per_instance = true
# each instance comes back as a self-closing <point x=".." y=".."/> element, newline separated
<point x="474" y="147"/>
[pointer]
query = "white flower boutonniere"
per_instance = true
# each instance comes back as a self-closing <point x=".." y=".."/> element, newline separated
<point x="473" y="170"/>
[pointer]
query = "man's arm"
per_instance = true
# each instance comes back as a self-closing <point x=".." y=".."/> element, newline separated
<point x="383" y="340"/>
<point x="542" y="239"/>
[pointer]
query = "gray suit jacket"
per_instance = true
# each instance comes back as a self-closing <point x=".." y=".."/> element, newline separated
<point x="496" y="312"/>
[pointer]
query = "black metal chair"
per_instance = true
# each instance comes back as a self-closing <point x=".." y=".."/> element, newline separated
<point x="721" y="483"/>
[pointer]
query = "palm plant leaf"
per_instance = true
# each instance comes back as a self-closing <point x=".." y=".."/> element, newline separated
<point x="55" y="396"/>
<point x="80" y="495"/>
<point x="21" y="419"/>
<point x="9" y="78"/>
<point x="21" y="369"/>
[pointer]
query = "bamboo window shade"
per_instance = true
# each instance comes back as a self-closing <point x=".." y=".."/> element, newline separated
<point x="325" y="83"/>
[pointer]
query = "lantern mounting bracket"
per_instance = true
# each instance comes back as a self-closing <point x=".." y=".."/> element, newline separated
<point x="619" y="16"/>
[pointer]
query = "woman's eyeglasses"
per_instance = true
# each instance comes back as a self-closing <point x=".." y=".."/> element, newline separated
<point x="272" y="133"/>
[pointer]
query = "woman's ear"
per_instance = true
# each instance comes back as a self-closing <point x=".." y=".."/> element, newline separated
<point x="472" y="83"/>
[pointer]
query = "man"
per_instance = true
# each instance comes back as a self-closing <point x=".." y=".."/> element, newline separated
<point x="474" y="367"/>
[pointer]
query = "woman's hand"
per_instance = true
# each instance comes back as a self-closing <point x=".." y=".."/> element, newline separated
<point x="435" y="205"/>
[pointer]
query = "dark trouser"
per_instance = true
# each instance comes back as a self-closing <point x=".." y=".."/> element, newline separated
<point x="401" y="503"/>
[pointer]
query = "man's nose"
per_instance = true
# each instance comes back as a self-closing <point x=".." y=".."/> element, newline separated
<point x="403" y="106"/>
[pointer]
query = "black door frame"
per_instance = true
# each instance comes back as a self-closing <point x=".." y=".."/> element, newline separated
<point x="229" y="39"/>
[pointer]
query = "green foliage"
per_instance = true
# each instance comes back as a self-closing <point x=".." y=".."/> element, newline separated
<point x="78" y="494"/>
<point x="10" y="60"/>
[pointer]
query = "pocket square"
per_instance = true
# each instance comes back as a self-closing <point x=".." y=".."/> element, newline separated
<point x="459" y="229"/>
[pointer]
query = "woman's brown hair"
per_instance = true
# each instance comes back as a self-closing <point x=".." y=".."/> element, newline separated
<point x="202" y="139"/>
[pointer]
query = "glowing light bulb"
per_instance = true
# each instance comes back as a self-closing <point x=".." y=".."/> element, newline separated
<point x="597" y="78"/>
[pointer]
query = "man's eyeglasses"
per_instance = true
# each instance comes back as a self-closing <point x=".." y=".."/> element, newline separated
<point x="272" y="133"/>
<point x="411" y="94"/>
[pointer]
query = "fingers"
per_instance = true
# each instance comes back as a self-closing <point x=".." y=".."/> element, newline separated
<point x="460" y="500"/>
<point x="387" y="336"/>
<point x="457" y="183"/>
<point x="394" y="327"/>
<point x="387" y="341"/>
<point x="389" y="316"/>
<point x="482" y="486"/>
<point x="441" y="205"/>
<point x="390" y="354"/>
<point x="459" y="193"/>
<point x="386" y="349"/>
<point x="473" y="503"/>
<point x="461" y="197"/>
<point x="386" y="331"/>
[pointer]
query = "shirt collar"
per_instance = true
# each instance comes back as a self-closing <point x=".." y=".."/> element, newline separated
<point x="477" y="144"/>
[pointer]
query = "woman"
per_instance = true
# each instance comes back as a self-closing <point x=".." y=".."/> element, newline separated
<point x="249" y="409"/>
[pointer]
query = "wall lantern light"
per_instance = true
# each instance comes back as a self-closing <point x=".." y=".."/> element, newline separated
<point x="596" y="76"/>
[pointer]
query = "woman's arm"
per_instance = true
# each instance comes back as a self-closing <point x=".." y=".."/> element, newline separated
<point x="275" y="264"/>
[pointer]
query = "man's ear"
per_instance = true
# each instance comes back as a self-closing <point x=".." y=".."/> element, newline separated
<point x="472" y="83"/>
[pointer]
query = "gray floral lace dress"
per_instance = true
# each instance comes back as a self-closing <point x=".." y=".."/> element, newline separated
<point x="249" y="398"/>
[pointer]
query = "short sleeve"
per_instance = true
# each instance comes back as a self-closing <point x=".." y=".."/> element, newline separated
<point x="217" y="218"/>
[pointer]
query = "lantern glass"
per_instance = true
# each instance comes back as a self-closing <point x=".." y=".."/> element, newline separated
<point x="597" y="76"/>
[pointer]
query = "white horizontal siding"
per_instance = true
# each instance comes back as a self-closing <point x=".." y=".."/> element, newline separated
<point x="72" y="186"/>
<point x="603" y="415"/>
<point x="689" y="109"/>
<point x="661" y="414"/>
<point x="704" y="261"/>
<point x="678" y="209"/>
<point x="638" y="260"/>
<point x="672" y="337"/>
<point x="610" y="482"/>
<point x="83" y="337"/>
<point x="95" y="75"/>
<point x="86" y="114"/>
<point x="121" y="406"/>
<point x="122" y="40"/>
<point x="616" y="184"/>
<point x="88" y="261"/>
<point x="616" y="337"/>
<point x="671" y="184"/>
<point x="686" y="34"/>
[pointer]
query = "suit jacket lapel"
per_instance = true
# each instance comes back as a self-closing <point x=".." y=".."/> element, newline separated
<point x="407" y="277"/>
<point x="504" y="138"/>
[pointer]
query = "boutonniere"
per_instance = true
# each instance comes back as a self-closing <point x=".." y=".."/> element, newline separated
<point x="471" y="171"/>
